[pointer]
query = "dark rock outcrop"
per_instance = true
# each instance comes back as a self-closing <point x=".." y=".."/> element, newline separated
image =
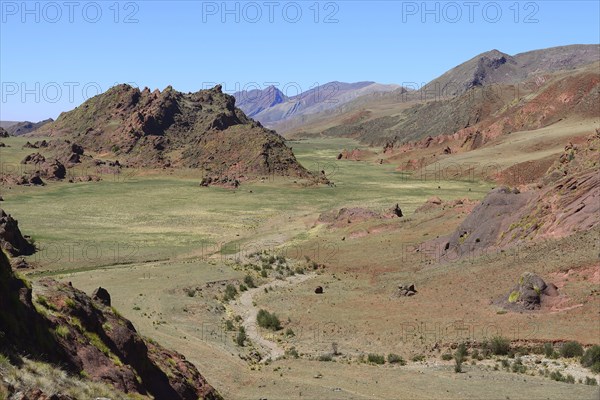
<point x="11" y="238"/>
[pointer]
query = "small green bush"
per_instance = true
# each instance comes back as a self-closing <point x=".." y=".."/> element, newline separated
<point x="292" y="352"/>
<point x="548" y="349"/>
<point x="447" y="357"/>
<point x="591" y="359"/>
<point x="571" y="349"/>
<point x="241" y="336"/>
<point x="267" y="320"/>
<point x="395" y="359"/>
<point x="376" y="358"/>
<point x="499" y="346"/>
<point x="325" y="357"/>
<point x="230" y="292"/>
<point x="249" y="281"/>
<point x="591" y="381"/>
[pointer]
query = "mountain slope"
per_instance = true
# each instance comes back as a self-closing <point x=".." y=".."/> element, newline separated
<point x="495" y="67"/>
<point x="271" y="107"/>
<point x="154" y="129"/>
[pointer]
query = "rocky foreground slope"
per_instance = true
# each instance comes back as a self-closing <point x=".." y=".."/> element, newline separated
<point x="201" y="130"/>
<point x="59" y="324"/>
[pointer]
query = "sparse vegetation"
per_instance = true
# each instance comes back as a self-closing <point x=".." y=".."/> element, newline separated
<point x="241" y="337"/>
<point x="230" y="293"/>
<point x="499" y="346"/>
<point x="395" y="359"/>
<point x="267" y="320"/>
<point x="571" y="350"/>
<point x="591" y="359"/>
<point x="376" y="358"/>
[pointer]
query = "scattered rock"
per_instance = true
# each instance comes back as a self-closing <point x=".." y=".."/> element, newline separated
<point x="319" y="290"/>
<point x="407" y="289"/>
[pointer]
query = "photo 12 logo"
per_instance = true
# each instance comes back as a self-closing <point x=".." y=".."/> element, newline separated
<point x="270" y="11"/>
<point x="53" y="12"/>
<point x="453" y="12"/>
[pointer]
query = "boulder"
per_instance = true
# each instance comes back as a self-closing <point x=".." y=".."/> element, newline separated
<point x="397" y="211"/>
<point x="34" y="158"/>
<point x="101" y="295"/>
<point x="407" y="289"/>
<point x="528" y="294"/>
<point x="319" y="290"/>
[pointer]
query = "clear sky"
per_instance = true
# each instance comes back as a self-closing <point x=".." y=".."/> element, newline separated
<point x="54" y="54"/>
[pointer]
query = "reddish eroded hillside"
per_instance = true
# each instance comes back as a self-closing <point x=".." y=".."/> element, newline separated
<point x="159" y="129"/>
<point x="566" y="200"/>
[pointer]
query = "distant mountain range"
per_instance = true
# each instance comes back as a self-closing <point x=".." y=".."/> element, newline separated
<point x="271" y="106"/>
<point x="277" y="111"/>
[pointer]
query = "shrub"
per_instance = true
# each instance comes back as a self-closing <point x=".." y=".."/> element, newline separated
<point x="447" y="357"/>
<point x="461" y="352"/>
<point x="229" y="325"/>
<point x="591" y="359"/>
<point x="241" y="336"/>
<point x="591" y="381"/>
<point x="292" y="352"/>
<point x="289" y="332"/>
<point x="230" y="292"/>
<point x="325" y="357"/>
<point x="376" y="358"/>
<point x="518" y="367"/>
<point x="249" y="281"/>
<point x="268" y="321"/>
<point x="499" y="346"/>
<point x="571" y="349"/>
<point x="395" y="359"/>
<point x="457" y="365"/>
<point x="243" y="287"/>
<point x="62" y="331"/>
<point x="418" y="357"/>
<point x="548" y="350"/>
<point x="263" y="273"/>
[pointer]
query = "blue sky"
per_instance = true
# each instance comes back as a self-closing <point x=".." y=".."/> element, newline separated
<point x="51" y="51"/>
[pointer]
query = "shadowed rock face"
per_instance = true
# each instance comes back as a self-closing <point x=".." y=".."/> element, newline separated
<point x="66" y="327"/>
<point x="11" y="238"/>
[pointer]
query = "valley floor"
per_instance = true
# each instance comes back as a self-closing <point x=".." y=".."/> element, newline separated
<point x="165" y="249"/>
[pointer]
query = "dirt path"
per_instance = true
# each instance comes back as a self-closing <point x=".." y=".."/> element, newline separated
<point x="244" y="306"/>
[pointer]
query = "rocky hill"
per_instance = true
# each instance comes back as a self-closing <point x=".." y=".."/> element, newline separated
<point x="564" y="201"/>
<point x="160" y="129"/>
<point x="23" y="128"/>
<point x="496" y="67"/>
<point x="58" y="324"/>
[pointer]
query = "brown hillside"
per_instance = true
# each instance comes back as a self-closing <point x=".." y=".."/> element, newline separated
<point x="155" y="129"/>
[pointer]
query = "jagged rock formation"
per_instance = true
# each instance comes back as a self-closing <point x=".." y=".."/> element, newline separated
<point x="159" y="129"/>
<point x="11" y="238"/>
